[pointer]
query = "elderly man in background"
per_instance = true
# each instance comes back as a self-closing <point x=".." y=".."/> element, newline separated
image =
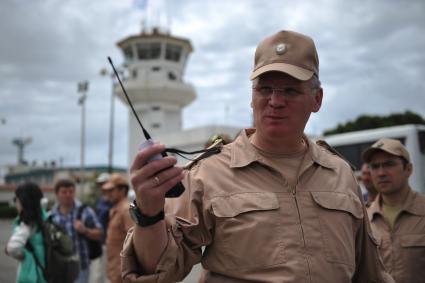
<point x="98" y="265"/>
<point x="366" y="180"/>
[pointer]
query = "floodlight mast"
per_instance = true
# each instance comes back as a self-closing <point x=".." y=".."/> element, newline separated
<point x="21" y="143"/>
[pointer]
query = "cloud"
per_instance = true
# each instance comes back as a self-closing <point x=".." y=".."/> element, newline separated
<point x="371" y="61"/>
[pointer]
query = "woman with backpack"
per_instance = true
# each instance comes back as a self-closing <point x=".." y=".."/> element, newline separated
<point x="26" y="243"/>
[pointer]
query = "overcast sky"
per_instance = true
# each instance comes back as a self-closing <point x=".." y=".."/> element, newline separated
<point x="372" y="61"/>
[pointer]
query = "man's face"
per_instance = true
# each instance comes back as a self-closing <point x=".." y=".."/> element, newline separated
<point x="389" y="174"/>
<point x="65" y="196"/>
<point x="113" y="195"/>
<point x="286" y="111"/>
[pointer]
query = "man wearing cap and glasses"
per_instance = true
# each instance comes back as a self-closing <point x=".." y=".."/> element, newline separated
<point x="271" y="207"/>
<point x="397" y="216"/>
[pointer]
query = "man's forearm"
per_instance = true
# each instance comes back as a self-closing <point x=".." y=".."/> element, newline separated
<point x="94" y="234"/>
<point x="149" y="244"/>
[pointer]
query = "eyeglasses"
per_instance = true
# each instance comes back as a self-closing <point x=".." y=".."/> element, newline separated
<point x="389" y="164"/>
<point x="289" y="93"/>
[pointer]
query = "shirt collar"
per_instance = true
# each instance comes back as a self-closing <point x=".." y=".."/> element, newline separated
<point x="243" y="152"/>
<point x="410" y="205"/>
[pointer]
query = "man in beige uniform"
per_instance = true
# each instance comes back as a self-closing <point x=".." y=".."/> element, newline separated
<point x="115" y="191"/>
<point x="271" y="207"/>
<point x="397" y="216"/>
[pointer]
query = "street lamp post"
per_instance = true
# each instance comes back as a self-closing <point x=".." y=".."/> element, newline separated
<point x="82" y="88"/>
<point x="104" y="72"/>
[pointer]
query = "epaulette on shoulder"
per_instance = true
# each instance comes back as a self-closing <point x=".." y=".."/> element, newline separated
<point x="215" y="148"/>
<point x="332" y="150"/>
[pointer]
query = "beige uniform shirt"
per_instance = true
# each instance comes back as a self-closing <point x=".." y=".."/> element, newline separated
<point x="119" y="223"/>
<point x="402" y="248"/>
<point x="256" y="228"/>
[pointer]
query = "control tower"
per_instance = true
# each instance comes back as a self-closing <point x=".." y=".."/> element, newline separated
<point x="154" y="65"/>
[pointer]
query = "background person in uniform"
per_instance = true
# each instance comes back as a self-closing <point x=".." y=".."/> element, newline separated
<point x="103" y="205"/>
<point x="98" y="265"/>
<point x="65" y="215"/>
<point x="115" y="191"/>
<point x="27" y="230"/>
<point x="271" y="207"/>
<point x="366" y="179"/>
<point x="397" y="215"/>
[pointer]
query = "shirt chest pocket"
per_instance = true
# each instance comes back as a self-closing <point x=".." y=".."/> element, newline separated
<point x="339" y="217"/>
<point x="412" y="256"/>
<point x="247" y="231"/>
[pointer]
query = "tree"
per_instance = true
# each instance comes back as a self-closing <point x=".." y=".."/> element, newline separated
<point x="365" y="122"/>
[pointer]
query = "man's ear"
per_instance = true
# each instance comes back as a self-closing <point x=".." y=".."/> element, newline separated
<point x="409" y="169"/>
<point x="318" y="97"/>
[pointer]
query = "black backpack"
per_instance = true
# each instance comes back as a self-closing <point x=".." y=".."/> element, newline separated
<point x="62" y="261"/>
<point x="94" y="247"/>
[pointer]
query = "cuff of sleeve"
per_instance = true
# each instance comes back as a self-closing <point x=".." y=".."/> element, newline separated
<point x="131" y="271"/>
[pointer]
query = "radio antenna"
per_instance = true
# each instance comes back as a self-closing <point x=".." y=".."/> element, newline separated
<point x="145" y="133"/>
<point x="211" y="150"/>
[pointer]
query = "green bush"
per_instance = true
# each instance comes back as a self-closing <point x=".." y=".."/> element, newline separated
<point x="7" y="211"/>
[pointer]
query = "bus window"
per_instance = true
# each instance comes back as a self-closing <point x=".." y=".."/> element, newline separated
<point x="353" y="152"/>
<point x="421" y="137"/>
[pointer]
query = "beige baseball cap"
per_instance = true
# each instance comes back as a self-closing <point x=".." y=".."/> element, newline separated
<point x="115" y="180"/>
<point x="288" y="52"/>
<point x="391" y="146"/>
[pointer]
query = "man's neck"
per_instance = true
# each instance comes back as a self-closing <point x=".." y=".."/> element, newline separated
<point x="119" y="200"/>
<point x="65" y="209"/>
<point x="279" y="146"/>
<point x="396" y="199"/>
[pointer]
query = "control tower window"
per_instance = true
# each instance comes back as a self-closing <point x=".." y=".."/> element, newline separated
<point x="173" y="52"/>
<point x="172" y="76"/>
<point x="146" y="51"/>
<point x="128" y="53"/>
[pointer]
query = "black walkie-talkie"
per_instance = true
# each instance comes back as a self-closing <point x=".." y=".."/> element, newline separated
<point x="178" y="189"/>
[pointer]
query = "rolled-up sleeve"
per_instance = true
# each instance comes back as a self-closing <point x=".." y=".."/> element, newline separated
<point x="188" y="228"/>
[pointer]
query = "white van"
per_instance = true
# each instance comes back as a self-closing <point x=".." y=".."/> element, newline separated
<point x="351" y="145"/>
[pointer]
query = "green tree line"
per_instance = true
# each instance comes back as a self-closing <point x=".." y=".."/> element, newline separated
<point x="365" y="122"/>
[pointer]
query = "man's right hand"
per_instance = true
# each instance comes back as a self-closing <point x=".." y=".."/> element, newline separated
<point x="151" y="181"/>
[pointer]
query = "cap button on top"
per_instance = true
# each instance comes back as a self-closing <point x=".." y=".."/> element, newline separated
<point x="280" y="48"/>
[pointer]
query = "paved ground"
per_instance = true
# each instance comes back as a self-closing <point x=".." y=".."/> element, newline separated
<point x="8" y="265"/>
